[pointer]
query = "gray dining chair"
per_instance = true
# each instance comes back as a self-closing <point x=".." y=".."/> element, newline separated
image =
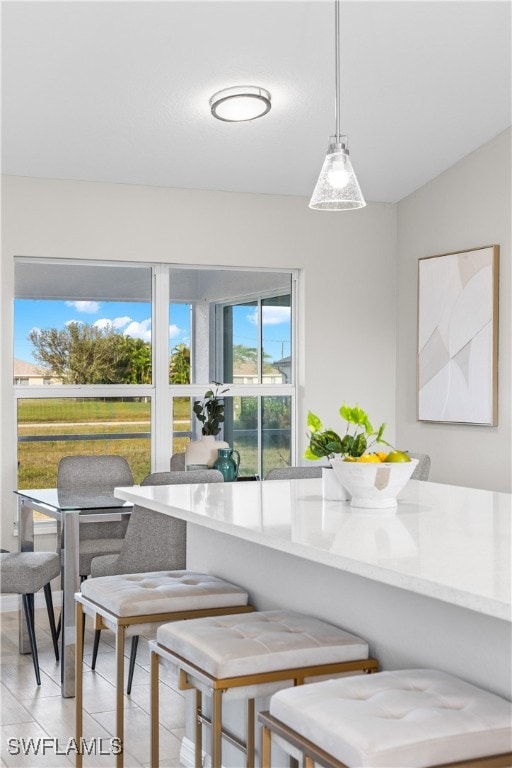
<point x="293" y="473"/>
<point x="153" y="542"/>
<point x="95" y="475"/>
<point x="178" y="462"/>
<point x="25" y="573"/>
<point x="422" y="469"/>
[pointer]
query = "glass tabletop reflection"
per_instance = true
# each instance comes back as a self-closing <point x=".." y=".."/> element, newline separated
<point x="71" y="501"/>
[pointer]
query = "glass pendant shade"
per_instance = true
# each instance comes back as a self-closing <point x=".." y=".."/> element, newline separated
<point x="337" y="188"/>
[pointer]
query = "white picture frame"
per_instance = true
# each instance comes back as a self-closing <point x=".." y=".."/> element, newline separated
<point x="457" y="368"/>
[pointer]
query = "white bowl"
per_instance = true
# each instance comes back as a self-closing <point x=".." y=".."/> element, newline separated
<point x="373" y="485"/>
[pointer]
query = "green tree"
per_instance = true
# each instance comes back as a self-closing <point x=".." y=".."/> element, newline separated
<point x="86" y="354"/>
<point x="243" y="354"/>
<point x="179" y="365"/>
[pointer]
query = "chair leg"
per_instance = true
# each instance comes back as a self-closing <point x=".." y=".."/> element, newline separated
<point x="96" y="644"/>
<point x="51" y="618"/>
<point x="131" y="668"/>
<point x="28" y="607"/>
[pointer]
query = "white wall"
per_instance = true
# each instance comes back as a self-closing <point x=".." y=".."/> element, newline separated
<point x="466" y="207"/>
<point x="347" y="301"/>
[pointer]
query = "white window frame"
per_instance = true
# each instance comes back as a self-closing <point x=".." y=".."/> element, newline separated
<point x="160" y="392"/>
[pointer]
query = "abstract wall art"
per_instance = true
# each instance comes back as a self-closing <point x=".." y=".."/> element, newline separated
<point x="458" y="337"/>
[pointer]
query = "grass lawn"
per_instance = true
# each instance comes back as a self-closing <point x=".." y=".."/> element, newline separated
<point x="58" y="417"/>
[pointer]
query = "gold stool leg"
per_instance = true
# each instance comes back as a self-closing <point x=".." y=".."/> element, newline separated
<point x="155" y="714"/>
<point x="249" y="759"/>
<point x="198" y="729"/>
<point x="308" y="762"/>
<point x="217" y="729"/>
<point x="120" y="694"/>
<point x="78" y="682"/>
<point x="266" y="745"/>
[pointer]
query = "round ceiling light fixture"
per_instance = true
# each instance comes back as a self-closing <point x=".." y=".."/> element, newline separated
<point x="240" y="103"/>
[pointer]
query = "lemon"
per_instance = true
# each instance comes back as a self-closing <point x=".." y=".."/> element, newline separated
<point x="382" y="455"/>
<point x="397" y="456"/>
<point x="369" y="458"/>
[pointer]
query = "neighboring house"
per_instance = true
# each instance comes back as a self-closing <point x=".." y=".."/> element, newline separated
<point x="246" y="373"/>
<point x="29" y="374"/>
<point x="285" y="367"/>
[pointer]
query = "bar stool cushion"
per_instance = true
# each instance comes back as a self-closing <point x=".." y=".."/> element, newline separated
<point x="140" y="594"/>
<point x="263" y="641"/>
<point x="24" y="573"/>
<point x="418" y="717"/>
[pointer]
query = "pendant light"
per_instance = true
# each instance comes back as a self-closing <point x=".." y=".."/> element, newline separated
<point x="337" y="188"/>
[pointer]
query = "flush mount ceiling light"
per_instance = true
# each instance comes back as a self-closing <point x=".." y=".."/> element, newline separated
<point x="337" y="188"/>
<point x="240" y="103"/>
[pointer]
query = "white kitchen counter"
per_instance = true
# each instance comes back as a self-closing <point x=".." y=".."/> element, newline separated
<point x="426" y="586"/>
<point x="444" y="542"/>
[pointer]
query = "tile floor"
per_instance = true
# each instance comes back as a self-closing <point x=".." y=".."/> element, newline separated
<point x="36" y="712"/>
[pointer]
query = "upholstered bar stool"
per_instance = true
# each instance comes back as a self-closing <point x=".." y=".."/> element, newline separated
<point x="135" y="604"/>
<point x="406" y="719"/>
<point x="248" y="656"/>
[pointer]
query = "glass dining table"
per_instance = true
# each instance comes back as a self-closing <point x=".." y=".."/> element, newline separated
<point x="71" y="510"/>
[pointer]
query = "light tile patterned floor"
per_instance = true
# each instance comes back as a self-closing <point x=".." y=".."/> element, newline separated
<point x="36" y="712"/>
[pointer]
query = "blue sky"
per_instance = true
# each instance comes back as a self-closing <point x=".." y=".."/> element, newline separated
<point x="134" y="319"/>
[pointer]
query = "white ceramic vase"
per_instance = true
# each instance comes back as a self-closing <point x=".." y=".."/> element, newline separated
<point x="203" y="451"/>
<point x="332" y="489"/>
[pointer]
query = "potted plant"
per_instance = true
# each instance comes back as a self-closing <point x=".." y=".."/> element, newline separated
<point x="356" y="441"/>
<point x="210" y="412"/>
<point x="369" y="478"/>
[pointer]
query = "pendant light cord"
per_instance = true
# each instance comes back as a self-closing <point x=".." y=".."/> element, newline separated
<point x="337" y="70"/>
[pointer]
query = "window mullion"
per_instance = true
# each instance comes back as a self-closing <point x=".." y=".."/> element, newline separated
<point x="161" y="413"/>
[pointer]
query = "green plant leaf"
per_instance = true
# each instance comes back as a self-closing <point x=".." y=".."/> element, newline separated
<point x="313" y="422"/>
<point x="359" y="445"/>
<point x="345" y="412"/>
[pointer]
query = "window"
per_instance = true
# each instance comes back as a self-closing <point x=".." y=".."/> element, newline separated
<point x="109" y="358"/>
<point x="83" y="323"/>
<point x="236" y="328"/>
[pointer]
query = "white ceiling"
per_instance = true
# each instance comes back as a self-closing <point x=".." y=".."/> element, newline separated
<point x="118" y="91"/>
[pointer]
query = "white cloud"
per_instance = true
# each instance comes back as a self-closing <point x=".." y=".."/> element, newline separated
<point x="120" y="322"/>
<point x="90" y="307"/>
<point x="76" y="322"/>
<point x="103" y="323"/>
<point x="271" y="316"/>
<point x="174" y="331"/>
<point x="35" y="329"/>
<point x="117" y="322"/>
<point x="140" y="330"/>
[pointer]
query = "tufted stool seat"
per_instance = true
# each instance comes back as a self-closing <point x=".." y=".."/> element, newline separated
<point x="247" y="656"/>
<point x="412" y="718"/>
<point x="138" y="603"/>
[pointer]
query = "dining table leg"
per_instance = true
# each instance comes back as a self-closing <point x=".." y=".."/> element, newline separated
<point x="71" y="584"/>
